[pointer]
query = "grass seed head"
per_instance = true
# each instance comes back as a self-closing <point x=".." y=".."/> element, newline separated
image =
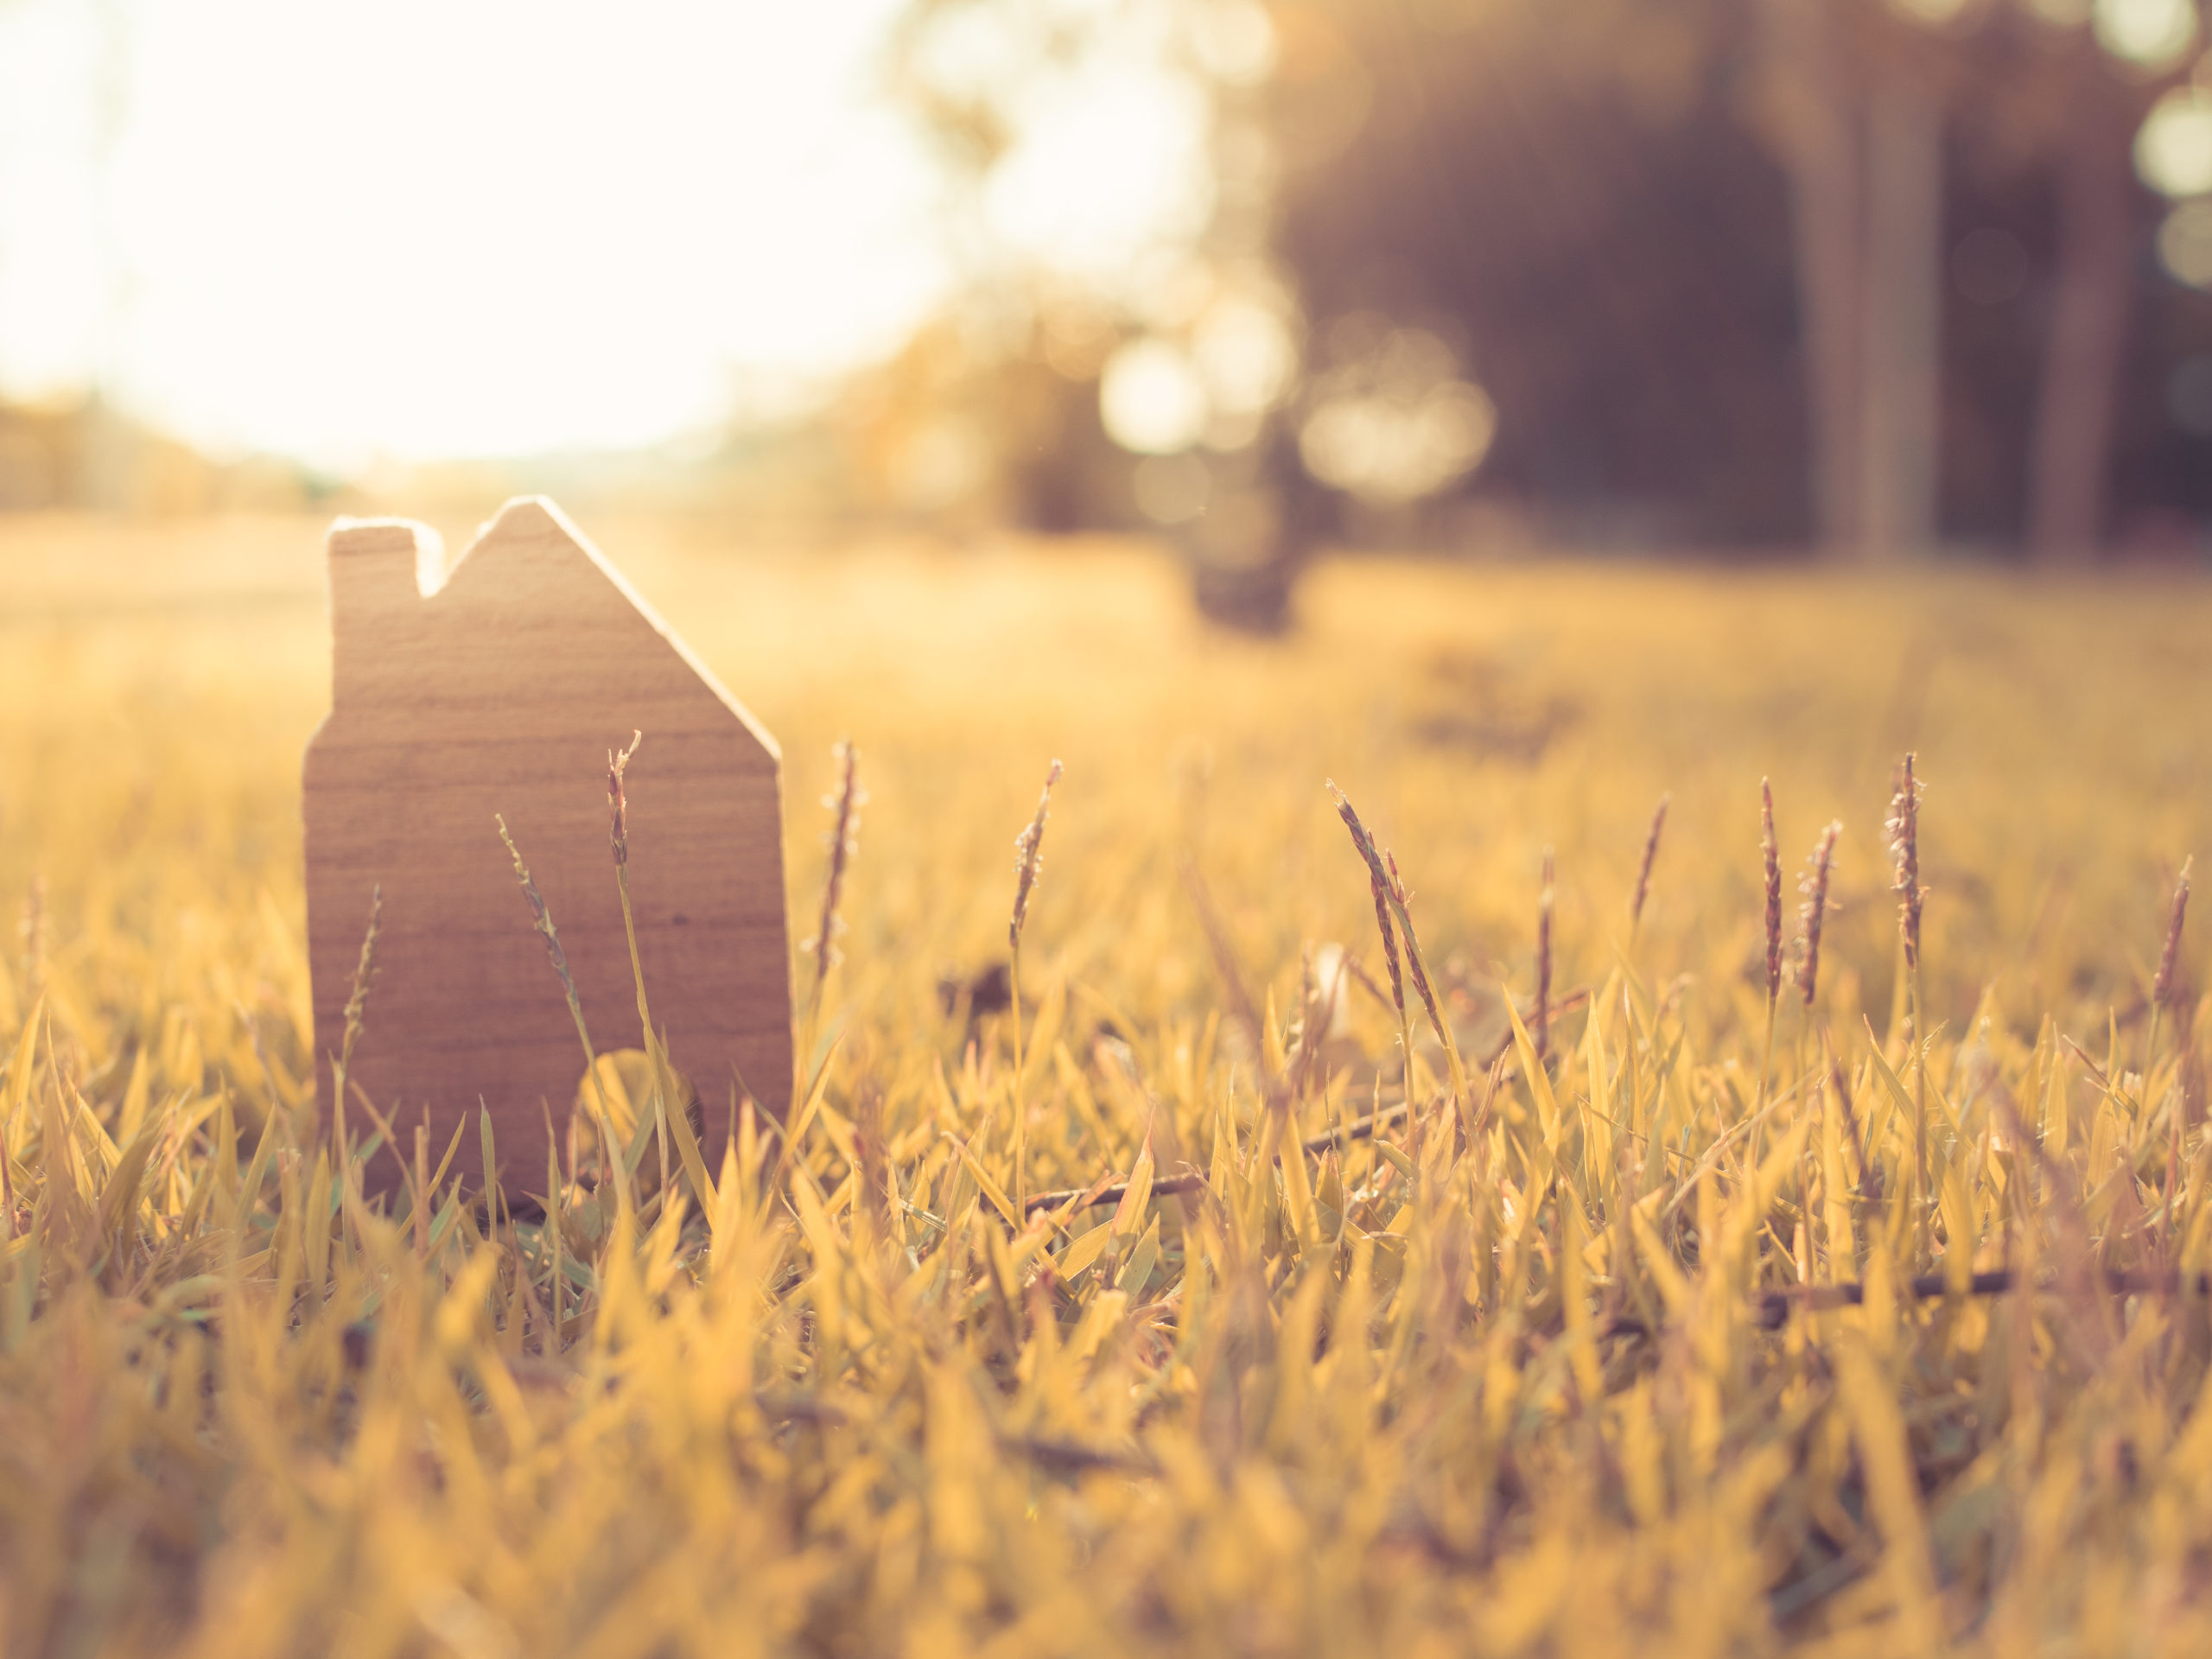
<point x="843" y="842"/>
<point x="618" y="761"/>
<point x="357" y="998"/>
<point x="1379" y="880"/>
<point x="1414" y="964"/>
<point x="2162" y="988"/>
<point x="1028" y="858"/>
<point x="1904" y="828"/>
<point x="1771" y="852"/>
<point x="1810" y="914"/>
<point x="1644" y="870"/>
<point x="540" y="918"/>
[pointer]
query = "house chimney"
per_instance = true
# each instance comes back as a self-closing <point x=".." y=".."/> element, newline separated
<point x="379" y="570"/>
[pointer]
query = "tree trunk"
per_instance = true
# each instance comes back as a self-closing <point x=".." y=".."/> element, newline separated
<point x="2072" y="444"/>
<point x="1904" y="293"/>
<point x="1820" y="142"/>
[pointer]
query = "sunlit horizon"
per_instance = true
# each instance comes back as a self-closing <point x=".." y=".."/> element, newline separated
<point x="417" y="232"/>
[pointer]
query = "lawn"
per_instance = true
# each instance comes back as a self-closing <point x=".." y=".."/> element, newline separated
<point x="1687" y="1317"/>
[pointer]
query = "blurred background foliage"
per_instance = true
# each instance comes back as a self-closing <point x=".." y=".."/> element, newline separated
<point x="1757" y="272"/>
<point x="1867" y="276"/>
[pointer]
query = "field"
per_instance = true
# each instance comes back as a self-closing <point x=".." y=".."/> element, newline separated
<point x="1666" y="1338"/>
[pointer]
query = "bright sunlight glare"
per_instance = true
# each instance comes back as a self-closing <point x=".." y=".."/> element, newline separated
<point x="421" y="228"/>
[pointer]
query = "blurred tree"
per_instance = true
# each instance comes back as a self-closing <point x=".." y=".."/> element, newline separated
<point x="2088" y="121"/>
<point x="1813" y="126"/>
<point x="1858" y="95"/>
<point x="1136" y="376"/>
<point x="1853" y="104"/>
<point x="1566" y="195"/>
<point x="1571" y="192"/>
<point x="1873" y="272"/>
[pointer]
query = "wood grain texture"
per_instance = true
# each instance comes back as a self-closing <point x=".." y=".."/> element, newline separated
<point x="499" y="687"/>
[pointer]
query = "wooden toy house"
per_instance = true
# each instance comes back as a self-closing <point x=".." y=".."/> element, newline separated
<point x="498" y="687"/>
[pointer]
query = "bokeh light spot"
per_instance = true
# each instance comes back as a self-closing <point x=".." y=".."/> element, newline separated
<point x="1393" y="421"/>
<point x="2185" y="244"/>
<point x="1245" y="355"/>
<point x="2173" y="152"/>
<point x="1151" y="399"/>
<point x="2151" y="34"/>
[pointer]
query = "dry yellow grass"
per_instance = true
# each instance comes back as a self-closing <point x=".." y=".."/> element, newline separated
<point x="1499" y="1379"/>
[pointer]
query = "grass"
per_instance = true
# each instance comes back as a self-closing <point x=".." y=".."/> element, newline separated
<point x="1620" y="1349"/>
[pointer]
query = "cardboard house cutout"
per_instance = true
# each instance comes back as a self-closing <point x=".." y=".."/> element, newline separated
<point x="498" y="687"/>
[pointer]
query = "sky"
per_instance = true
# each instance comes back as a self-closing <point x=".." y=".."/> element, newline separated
<point x="348" y="229"/>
